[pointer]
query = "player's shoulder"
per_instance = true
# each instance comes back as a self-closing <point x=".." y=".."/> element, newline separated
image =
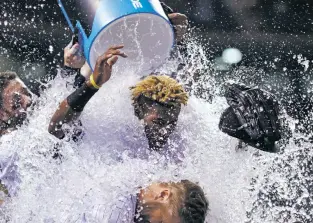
<point x="123" y="210"/>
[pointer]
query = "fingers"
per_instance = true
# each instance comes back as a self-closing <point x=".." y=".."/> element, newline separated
<point x="112" y="57"/>
<point x="73" y="62"/>
<point x="118" y="53"/>
<point x="113" y="51"/>
<point x="177" y="16"/>
<point x="112" y="60"/>
<point x="180" y="30"/>
<point x="73" y="56"/>
<point x="69" y="46"/>
<point x="71" y="52"/>
<point x="116" y="47"/>
<point x="74" y="49"/>
<point x="178" y="19"/>
<point x="180" y="23"/>
<point x="72" y="59"/>
<point x="75" y="59"/>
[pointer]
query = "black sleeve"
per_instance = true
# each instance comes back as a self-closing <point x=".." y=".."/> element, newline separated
<point x="79" y="80"/>
<point x="68" y="71"/>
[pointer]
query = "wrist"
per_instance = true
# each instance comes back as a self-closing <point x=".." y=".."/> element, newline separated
<point x="89" y="85"/>
<point x="93" y="83"/>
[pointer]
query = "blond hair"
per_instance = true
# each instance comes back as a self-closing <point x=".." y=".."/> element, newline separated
<point x="162" y="89"/>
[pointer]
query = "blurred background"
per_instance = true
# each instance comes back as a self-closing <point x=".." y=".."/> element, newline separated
<point x="274" y="38"/>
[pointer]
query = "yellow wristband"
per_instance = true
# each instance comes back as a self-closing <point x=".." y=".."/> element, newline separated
<point x="93" y="83"/>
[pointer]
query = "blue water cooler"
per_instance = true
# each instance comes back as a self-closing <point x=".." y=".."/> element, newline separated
<point x="141" y="25"/>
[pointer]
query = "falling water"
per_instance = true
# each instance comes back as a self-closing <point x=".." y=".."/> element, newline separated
<point x="112" y="159"/>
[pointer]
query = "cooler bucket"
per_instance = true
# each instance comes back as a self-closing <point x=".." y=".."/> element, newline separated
<point x="141" y="25"/>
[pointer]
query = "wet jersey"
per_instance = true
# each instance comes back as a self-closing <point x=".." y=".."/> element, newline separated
<point x="123" y="211"/>
<point x="8" y="174"/>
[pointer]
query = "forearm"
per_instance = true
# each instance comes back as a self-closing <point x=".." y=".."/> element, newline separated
<point x="64" y="114"/>
<point x="70" y="109"/>
<point x="75" y="103"/>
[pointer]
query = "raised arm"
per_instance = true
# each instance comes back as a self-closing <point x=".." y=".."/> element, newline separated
<point x="179" y="22"/>
<point x="71" y="108"/>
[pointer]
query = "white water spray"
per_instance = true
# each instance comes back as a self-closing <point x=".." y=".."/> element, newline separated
<point x="112" y="158"/>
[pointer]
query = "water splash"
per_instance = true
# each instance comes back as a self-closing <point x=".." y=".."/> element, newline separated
<point x="241" y="186"/>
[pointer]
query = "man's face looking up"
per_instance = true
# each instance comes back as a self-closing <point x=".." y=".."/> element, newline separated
<point x="15" y="101"/>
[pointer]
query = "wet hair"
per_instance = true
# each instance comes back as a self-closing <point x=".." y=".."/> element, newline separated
<point x="5" y="78"/>
<point x="190" y="204"/>
<point x="194" y="204"/>
<point x="160" y="88"/>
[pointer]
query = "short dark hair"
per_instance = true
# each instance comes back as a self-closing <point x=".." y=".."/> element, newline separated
<point x="195" y="205"/>
<point x="190" y="204"/>
<point x="5" y="78"/>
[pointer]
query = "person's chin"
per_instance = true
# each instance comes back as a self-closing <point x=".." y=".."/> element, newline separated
<point x="156" y="141"/>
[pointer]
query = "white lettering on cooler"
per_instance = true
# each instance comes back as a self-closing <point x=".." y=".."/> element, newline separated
<point x="137" y="4"/>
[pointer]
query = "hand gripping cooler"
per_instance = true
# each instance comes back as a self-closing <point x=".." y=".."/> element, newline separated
<point x="141" y="25"/>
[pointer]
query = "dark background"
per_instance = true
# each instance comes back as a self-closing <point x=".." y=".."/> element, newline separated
<point x="269" y="33"/>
